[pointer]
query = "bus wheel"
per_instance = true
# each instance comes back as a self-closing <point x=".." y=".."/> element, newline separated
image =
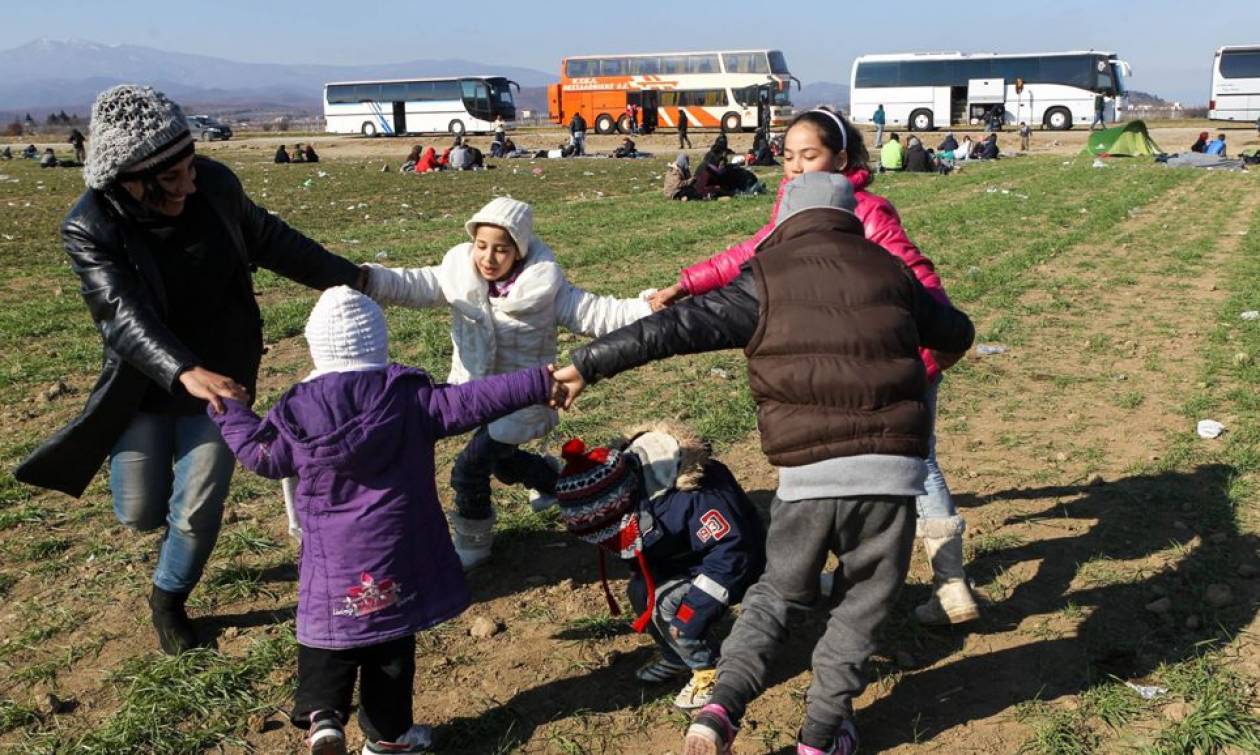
<point x="732" y="123"/>
<point x="604" y="124"/>
<point x="368" y="128"/>
<point x="623" y="124"/>
<point x="456" y="127"/>
<point x="1058" y="119"/>
<point x="921" y="120"/>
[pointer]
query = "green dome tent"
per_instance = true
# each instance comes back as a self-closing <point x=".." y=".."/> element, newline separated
<point x="1129" y="140"/>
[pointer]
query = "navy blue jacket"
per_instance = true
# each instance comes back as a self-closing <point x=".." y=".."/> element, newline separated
<point x="712" y="536"/>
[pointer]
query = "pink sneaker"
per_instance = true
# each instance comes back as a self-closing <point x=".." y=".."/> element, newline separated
<point x="846" y="742"/>
<point x="711" y="732"/>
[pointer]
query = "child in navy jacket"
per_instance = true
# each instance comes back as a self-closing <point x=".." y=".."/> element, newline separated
<point x="691" y="535"/>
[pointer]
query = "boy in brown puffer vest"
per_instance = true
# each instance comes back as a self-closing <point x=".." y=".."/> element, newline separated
<point x="831" y="326"/>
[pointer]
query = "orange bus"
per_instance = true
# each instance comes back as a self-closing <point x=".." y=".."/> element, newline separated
<point x="729" y="89"/>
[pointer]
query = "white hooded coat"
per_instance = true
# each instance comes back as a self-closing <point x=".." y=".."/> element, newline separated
<point x="503" y="334"/>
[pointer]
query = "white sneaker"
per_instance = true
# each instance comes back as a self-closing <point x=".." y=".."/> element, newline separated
<point x="699" y="690"/>
<point x="540" y="502"/>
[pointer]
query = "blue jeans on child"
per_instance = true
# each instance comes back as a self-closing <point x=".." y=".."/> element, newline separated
<point x="698" y="653"/>
<point x="173" y="469"/>
<point x="936" y="503"/>
<point x="485" y="456"/>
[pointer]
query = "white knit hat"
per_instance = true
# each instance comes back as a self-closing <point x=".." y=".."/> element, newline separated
<point x="346" y="333"/>
<point x="135" y="130"/>
<point x="513" y="216"/>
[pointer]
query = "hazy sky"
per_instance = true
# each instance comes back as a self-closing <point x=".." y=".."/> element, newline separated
<point x="1169" y="44"/>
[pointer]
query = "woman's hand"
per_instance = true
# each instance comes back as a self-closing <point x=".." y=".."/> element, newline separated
<point x="666" y="296"/>
<point x="213" y="387"/>
<point x="571" y="382"/>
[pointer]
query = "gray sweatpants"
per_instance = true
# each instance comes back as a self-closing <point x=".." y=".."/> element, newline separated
<point x="873" y="537"/>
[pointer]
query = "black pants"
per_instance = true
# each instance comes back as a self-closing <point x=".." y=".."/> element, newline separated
<point x="682" y="137"/>
<point x="485" y="456"/>
<point x="385" y="672"/>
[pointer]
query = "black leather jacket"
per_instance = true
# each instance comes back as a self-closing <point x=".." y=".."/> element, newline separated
<point x="123" y="289"/>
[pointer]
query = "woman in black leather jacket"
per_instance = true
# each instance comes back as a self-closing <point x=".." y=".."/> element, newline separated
<point x="164" y="244"/>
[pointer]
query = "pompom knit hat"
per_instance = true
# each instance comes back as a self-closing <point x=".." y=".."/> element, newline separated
<point x="346" y="333"/>
<point x="512" y="215"/>
<point x="136" y="132"/>
<point x="598" y="493"/>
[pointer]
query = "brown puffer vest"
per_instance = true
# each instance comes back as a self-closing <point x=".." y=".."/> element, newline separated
<point x="834" y="362"/>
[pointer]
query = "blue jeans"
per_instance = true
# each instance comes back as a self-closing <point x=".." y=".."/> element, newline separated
<point x="697" y="653"/>
<point x="173" y="469"/>
<point x="879" y="134"/>
<point x="936" y="503"/>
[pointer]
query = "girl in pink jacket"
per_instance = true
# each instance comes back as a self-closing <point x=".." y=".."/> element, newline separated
<point x="820" y="140"/>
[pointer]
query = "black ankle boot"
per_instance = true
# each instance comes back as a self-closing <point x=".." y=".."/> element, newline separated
<point x="174" y="629"/>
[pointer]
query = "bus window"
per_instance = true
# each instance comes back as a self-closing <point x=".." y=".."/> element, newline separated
<point x="1070" y="70"/>
<point x="778" y="63"/>
<point x="613" y="67"/>
<point x="645" y="66"/>
<point x="674" y="64"/>
<point x="366" y="92"/>
<point x="1028" y="69"/>
<point x="446" y="90"/>
<point x="1240" y="64"/>
<point x="669" y="98"/>
<point x="745" y="62"/>
<point x="702" y="64"/>
<point x="580" y="68"/>
<point x="394" y="92"/>
<point x="878" y="74"/>
<point x="341" y="94"/>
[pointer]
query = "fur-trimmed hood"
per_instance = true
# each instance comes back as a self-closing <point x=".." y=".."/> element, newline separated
<point x="672" y="456"/>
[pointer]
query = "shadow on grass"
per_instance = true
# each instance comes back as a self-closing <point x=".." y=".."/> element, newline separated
<point x="1179" y="525"/>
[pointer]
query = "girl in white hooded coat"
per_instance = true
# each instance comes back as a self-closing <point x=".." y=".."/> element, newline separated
<point x="507" y="295"/>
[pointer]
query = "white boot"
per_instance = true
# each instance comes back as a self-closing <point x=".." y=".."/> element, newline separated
<point x="473" y="539"/>
<point x="538" y="500"/>
<point x="952" y="601"/>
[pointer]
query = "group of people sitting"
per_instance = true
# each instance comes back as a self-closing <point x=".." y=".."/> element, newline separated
<point x="715" y="178"/>
<point x="458" y="156"/>
<point x="914" y="157"/>
<point x="301" y="154"/>
<point x="1214" y="147"/>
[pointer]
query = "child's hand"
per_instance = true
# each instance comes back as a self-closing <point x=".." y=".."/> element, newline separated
<point x="666" y="296"/>
<point x="558" y="394"/>
<point x="571" y="382"/>
<point x="213" y="387"/>
<point x="945" y="359"/>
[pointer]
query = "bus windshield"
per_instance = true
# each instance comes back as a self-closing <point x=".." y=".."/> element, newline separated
<point x="778" y="63"/>
<point x="501" y="98"/>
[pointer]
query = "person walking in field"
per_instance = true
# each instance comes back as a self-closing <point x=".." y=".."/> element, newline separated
<point x="164" y="243"/>
<point x="1100" y="110"/>
<point x="878" y="119"/>
<point x="377" y="565"/>
<point x="823" y="141"/>
<point x="831" y="326"/>
<point x="683" y="125"/>
<point x="577" y="133"/>
<point x="507" y="295"/>
<point x="77" y="140"/>
<point x="1025" y="135"/>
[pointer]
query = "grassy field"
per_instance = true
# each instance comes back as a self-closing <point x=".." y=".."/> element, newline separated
<point x="1109" y="542"/>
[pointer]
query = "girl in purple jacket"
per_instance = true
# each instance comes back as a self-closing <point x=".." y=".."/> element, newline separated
<point x="377" y="564"/>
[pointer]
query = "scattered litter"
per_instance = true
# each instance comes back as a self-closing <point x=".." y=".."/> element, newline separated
<point x="308" y="183"/>
<point x="720" y="373"/>
<point x="321" y="174"/>
<point x="1250" y="315"/>
<point x="587" y="173"/>
<point x="1098" y="163"/>
<point x="537" y="171"/>
<point x="990" y="349"/>
<point x="1210" y="428"/>
<point x="1146" y="692"/>
<point x="991" y="190"/>
<point x="382" y="255"/>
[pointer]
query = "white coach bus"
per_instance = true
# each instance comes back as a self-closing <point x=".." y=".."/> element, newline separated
<point x="1236" y="84"/>
<point x="921" y="91"/>
<point x="464" y="104"/>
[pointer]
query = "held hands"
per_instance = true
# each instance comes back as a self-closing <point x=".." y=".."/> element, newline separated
<point x="213" y="387"/>
<point x="666" y="296"/>
<point x="566" y="384"/>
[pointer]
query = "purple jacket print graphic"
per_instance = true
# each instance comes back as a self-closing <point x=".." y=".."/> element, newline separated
<point x="377" y="561"/>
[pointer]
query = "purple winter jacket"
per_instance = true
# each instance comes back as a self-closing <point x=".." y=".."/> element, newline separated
<point x="377" y="561"/>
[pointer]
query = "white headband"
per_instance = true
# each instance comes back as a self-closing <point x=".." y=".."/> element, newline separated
<point x="844" y="133"/>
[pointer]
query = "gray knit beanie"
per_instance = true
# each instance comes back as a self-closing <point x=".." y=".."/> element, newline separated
<point x="811" y="191"/>
<point x="136" y="131"/>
